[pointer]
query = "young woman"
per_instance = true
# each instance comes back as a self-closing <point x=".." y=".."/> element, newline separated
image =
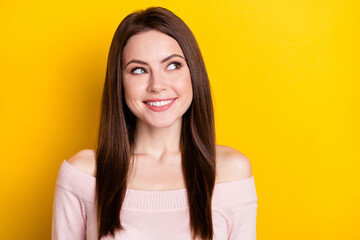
<point x="157" y="172"/>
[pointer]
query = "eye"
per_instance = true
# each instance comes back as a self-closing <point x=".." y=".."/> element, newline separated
<point x="138" y="70"/>
<point x="174" y="65"/>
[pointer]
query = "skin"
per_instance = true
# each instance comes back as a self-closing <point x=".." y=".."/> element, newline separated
<point x="157" y="158"/>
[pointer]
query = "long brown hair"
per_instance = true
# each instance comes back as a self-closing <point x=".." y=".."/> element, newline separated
<point x="117" y="126"/>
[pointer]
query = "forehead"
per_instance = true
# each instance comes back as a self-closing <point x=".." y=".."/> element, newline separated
<point x="150" y="45"/>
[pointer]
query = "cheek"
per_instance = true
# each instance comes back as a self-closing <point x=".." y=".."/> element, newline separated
<point x="190" y="88"/>
<point x="186" y="87"/>
<point x="131" y="90"/>
<point x="130" y="94"/>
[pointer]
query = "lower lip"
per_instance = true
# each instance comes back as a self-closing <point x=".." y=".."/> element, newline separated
<point x="162" y="108"/>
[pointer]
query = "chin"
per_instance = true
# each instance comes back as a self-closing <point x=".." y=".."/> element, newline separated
<point x="163" y="123"/>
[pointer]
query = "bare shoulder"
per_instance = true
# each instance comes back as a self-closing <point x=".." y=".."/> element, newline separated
<point x="231" y="164"/>
<point x="84" y="160"/>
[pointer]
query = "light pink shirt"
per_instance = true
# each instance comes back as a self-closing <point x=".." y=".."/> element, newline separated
<point x="155" y="215"/>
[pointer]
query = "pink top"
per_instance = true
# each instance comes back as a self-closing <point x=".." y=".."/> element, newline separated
<point x="151" y="215"/>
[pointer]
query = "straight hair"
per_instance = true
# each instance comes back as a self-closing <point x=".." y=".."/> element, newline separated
<point x="117" y="126"/>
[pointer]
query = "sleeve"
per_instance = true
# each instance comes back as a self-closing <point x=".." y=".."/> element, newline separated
<point x="237" y="201"/>
<point x="69" y="205"/>
<point x="242" y="221"/>
<point x="68" y="220"/>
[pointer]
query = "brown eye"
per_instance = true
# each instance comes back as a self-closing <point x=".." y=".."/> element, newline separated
<point x="174" y="65"/>
<point x="138" y="70"/>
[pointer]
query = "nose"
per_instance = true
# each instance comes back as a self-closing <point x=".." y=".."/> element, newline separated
<point x="156" y="83"/>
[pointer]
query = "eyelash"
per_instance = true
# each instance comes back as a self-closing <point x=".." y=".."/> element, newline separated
<point x="176" y="63"/>
<point x="132" y="70"/>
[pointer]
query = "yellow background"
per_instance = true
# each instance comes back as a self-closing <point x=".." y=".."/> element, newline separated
<point x="285" y="78"/>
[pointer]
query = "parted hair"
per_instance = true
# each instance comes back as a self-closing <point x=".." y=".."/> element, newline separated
<point x="117" y="126"/>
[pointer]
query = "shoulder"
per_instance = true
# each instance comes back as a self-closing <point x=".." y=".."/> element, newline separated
<point x="231" y="165"/>
<point x="74" y="181"/>
<point x="84" y="160"/>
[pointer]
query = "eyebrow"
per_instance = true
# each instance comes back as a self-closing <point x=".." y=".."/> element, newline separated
<point x="162" y="61"/>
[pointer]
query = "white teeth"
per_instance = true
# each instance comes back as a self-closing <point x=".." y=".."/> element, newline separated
<point x="160" y="103"/>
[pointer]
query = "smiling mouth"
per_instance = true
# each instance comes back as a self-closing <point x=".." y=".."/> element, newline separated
<point x="160" y="103"/>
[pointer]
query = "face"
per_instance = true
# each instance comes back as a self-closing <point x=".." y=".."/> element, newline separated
<point x="156" y="79"/>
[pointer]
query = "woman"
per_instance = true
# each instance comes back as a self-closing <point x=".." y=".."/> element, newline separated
<point x="157" y="173"/>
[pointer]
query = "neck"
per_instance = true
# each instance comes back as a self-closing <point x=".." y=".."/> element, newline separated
<point x="157" y="141"/>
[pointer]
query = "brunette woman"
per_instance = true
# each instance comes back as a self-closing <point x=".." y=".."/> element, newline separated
<point x="157" y="172"/>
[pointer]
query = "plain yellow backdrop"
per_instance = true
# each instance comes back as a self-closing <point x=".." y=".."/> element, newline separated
<point x="285" y="79"/>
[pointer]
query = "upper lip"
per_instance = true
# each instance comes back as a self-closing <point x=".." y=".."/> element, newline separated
<point x="158" y="99"/>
